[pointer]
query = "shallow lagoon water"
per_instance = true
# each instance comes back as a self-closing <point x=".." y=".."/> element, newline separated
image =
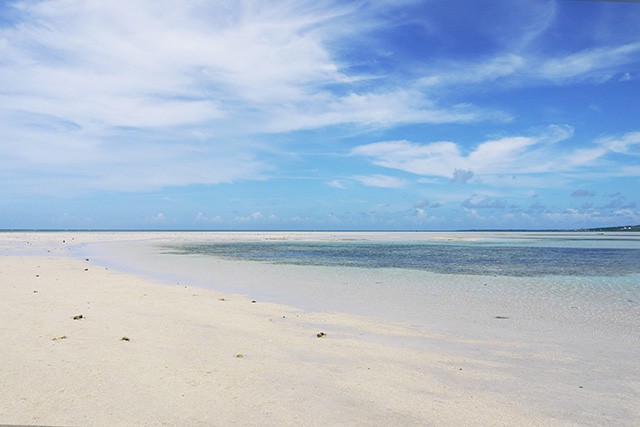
<point x="423" y="278"/>
<point x="478" y="258"/>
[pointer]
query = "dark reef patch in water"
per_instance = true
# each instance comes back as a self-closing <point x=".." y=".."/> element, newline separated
<point x="447" y="258"/>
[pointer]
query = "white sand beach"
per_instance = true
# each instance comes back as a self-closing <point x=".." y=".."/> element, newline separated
<point x="148" y="352"/>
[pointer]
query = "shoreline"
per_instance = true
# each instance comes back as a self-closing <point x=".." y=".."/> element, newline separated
<point x="180" y="366"/>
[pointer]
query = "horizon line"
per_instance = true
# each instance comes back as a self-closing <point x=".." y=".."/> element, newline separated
<point x="630" y="227"/>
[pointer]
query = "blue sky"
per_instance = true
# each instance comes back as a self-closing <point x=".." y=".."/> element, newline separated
<point x="419" y="115"/>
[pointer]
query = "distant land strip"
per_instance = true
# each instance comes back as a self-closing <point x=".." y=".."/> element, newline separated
<point x="620" y="228"/>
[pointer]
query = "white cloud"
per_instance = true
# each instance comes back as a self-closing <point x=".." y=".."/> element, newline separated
<point x="582" y="193"/>
<point x="375" y="109"/>
<point x="380" y="181"/>
<point x="627" y="213"/>
<point x="255" y="216"/>
<point x="492" y="155"/>
<point x="597" y="63"/>
<point x="216" y="219"/>
<point x="484" y="71"/>
<point x="628" y="143"/>
<point x="507" y="156"/>
<point x="483" y="202"/>
<point x="522" y="68"/>
<point x="131" y="96"/>
<point x="152" y="64"/>
<point x="584" y="156"/>
<point x="336" y="184"/>
<point x="159" y="218"/>
<point x="435" y="159"/>
<point x="462" y="176"/>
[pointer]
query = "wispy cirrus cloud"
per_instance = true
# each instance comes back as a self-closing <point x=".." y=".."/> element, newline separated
<point x="532" y="48"/>
<point x="146" y="65"/>
<point x="376" y="110"/>
<point x="597" y="64"/>
<point x="90" y="85"/>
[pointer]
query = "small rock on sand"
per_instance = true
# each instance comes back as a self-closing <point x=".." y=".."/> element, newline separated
<point x="78" y="317"/>
<point x="321" y="335"/>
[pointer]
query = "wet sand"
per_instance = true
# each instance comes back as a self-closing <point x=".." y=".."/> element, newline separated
<point x="145" y="352"/>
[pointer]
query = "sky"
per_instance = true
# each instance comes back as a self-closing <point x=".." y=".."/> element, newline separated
<point x="319" y="115"/>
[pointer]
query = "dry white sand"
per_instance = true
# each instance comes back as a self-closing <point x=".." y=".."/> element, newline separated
<point x="197" y="357"/>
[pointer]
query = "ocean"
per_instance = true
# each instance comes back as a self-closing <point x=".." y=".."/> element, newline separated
<point x="557" y="255"/>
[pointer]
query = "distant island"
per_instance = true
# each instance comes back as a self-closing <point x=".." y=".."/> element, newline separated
<point x="619" y="228"/>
